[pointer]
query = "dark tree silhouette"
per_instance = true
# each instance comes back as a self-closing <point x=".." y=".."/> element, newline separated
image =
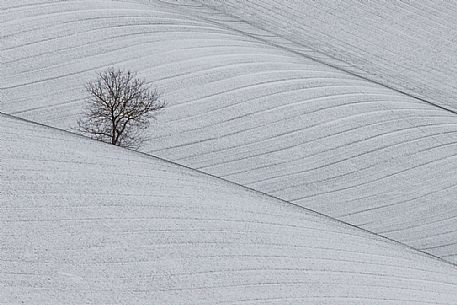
<point x="119" y="108"/>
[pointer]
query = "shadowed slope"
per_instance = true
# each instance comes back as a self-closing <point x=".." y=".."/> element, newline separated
<point x="243" y="110"/>
<point x="86" y="222"/>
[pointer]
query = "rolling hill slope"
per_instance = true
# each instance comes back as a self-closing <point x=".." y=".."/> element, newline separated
<point x="408" y="45"/>
<point x="84" y="222"/>
<point x="246" y="110"/>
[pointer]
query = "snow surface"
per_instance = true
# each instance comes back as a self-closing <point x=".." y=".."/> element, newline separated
<point x="408" y="45"/>
<point x="83" y="222"/>
<point x="244" y="109"/>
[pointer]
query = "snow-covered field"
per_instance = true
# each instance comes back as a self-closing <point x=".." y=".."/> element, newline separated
<point x="408" y="45"/>
<point x="84" y="222"/>
<point x="242" y="108"/>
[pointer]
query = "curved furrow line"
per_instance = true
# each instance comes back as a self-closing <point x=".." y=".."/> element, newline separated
<point x="91" y="30"/>
<point x="93" y="27"/>
<point x="440" y="246"/>
<point x="10" y="7"/>
<point x="344" y="216"/>
<point x="145" y="43"/>
<point x="258" y="85"/>
<point x="101" y="10"/>
<point x="345" y="174"/>
<point x="302" y="87"/>
<point x="209" y="47"/>
<point x="363" y="153"/>
<point x="208" y="37"/>
<point x="60" y="90"/>
<point x="303" y="129"/>
<point x="131" y="18"/>
<point x="41" y="80"/>
<point x="277" y="71"/>
<point x="381" y="178"/>
<point x="355" y="217"/>
<point x="294" y="131"/>
<point x="80" y="90"/>
<point x="253" y="114"/>
<point x="435" y="236"/>
<point x="327" y="298"/>
<point x="308" y="142"/>
<point x="235" y="88"/>
<point x="30" y="11"/>
<point x="253" y="142"/>
<point x="403" y="186"/>
<point x="401" y="263"/>
<point x="426" y="163"/>
<point x="445" y="218"/>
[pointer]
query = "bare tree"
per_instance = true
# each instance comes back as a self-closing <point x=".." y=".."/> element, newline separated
<point x="119" y="108"/>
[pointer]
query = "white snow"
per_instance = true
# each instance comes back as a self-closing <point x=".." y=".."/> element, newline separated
<point x="242" y="108"/>
<point x="408" y="45"/>
<point x="84" y="222"/>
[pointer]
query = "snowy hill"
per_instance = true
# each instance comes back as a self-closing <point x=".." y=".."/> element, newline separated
<point x="84" y="222"/>
<point x="408" y="45"/>
<point x="246" y="109"/>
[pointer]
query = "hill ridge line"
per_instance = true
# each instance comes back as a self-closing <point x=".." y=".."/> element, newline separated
<point x="251" y="190"/>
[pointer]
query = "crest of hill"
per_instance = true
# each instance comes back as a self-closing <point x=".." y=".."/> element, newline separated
<point x="87" y="222"/>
